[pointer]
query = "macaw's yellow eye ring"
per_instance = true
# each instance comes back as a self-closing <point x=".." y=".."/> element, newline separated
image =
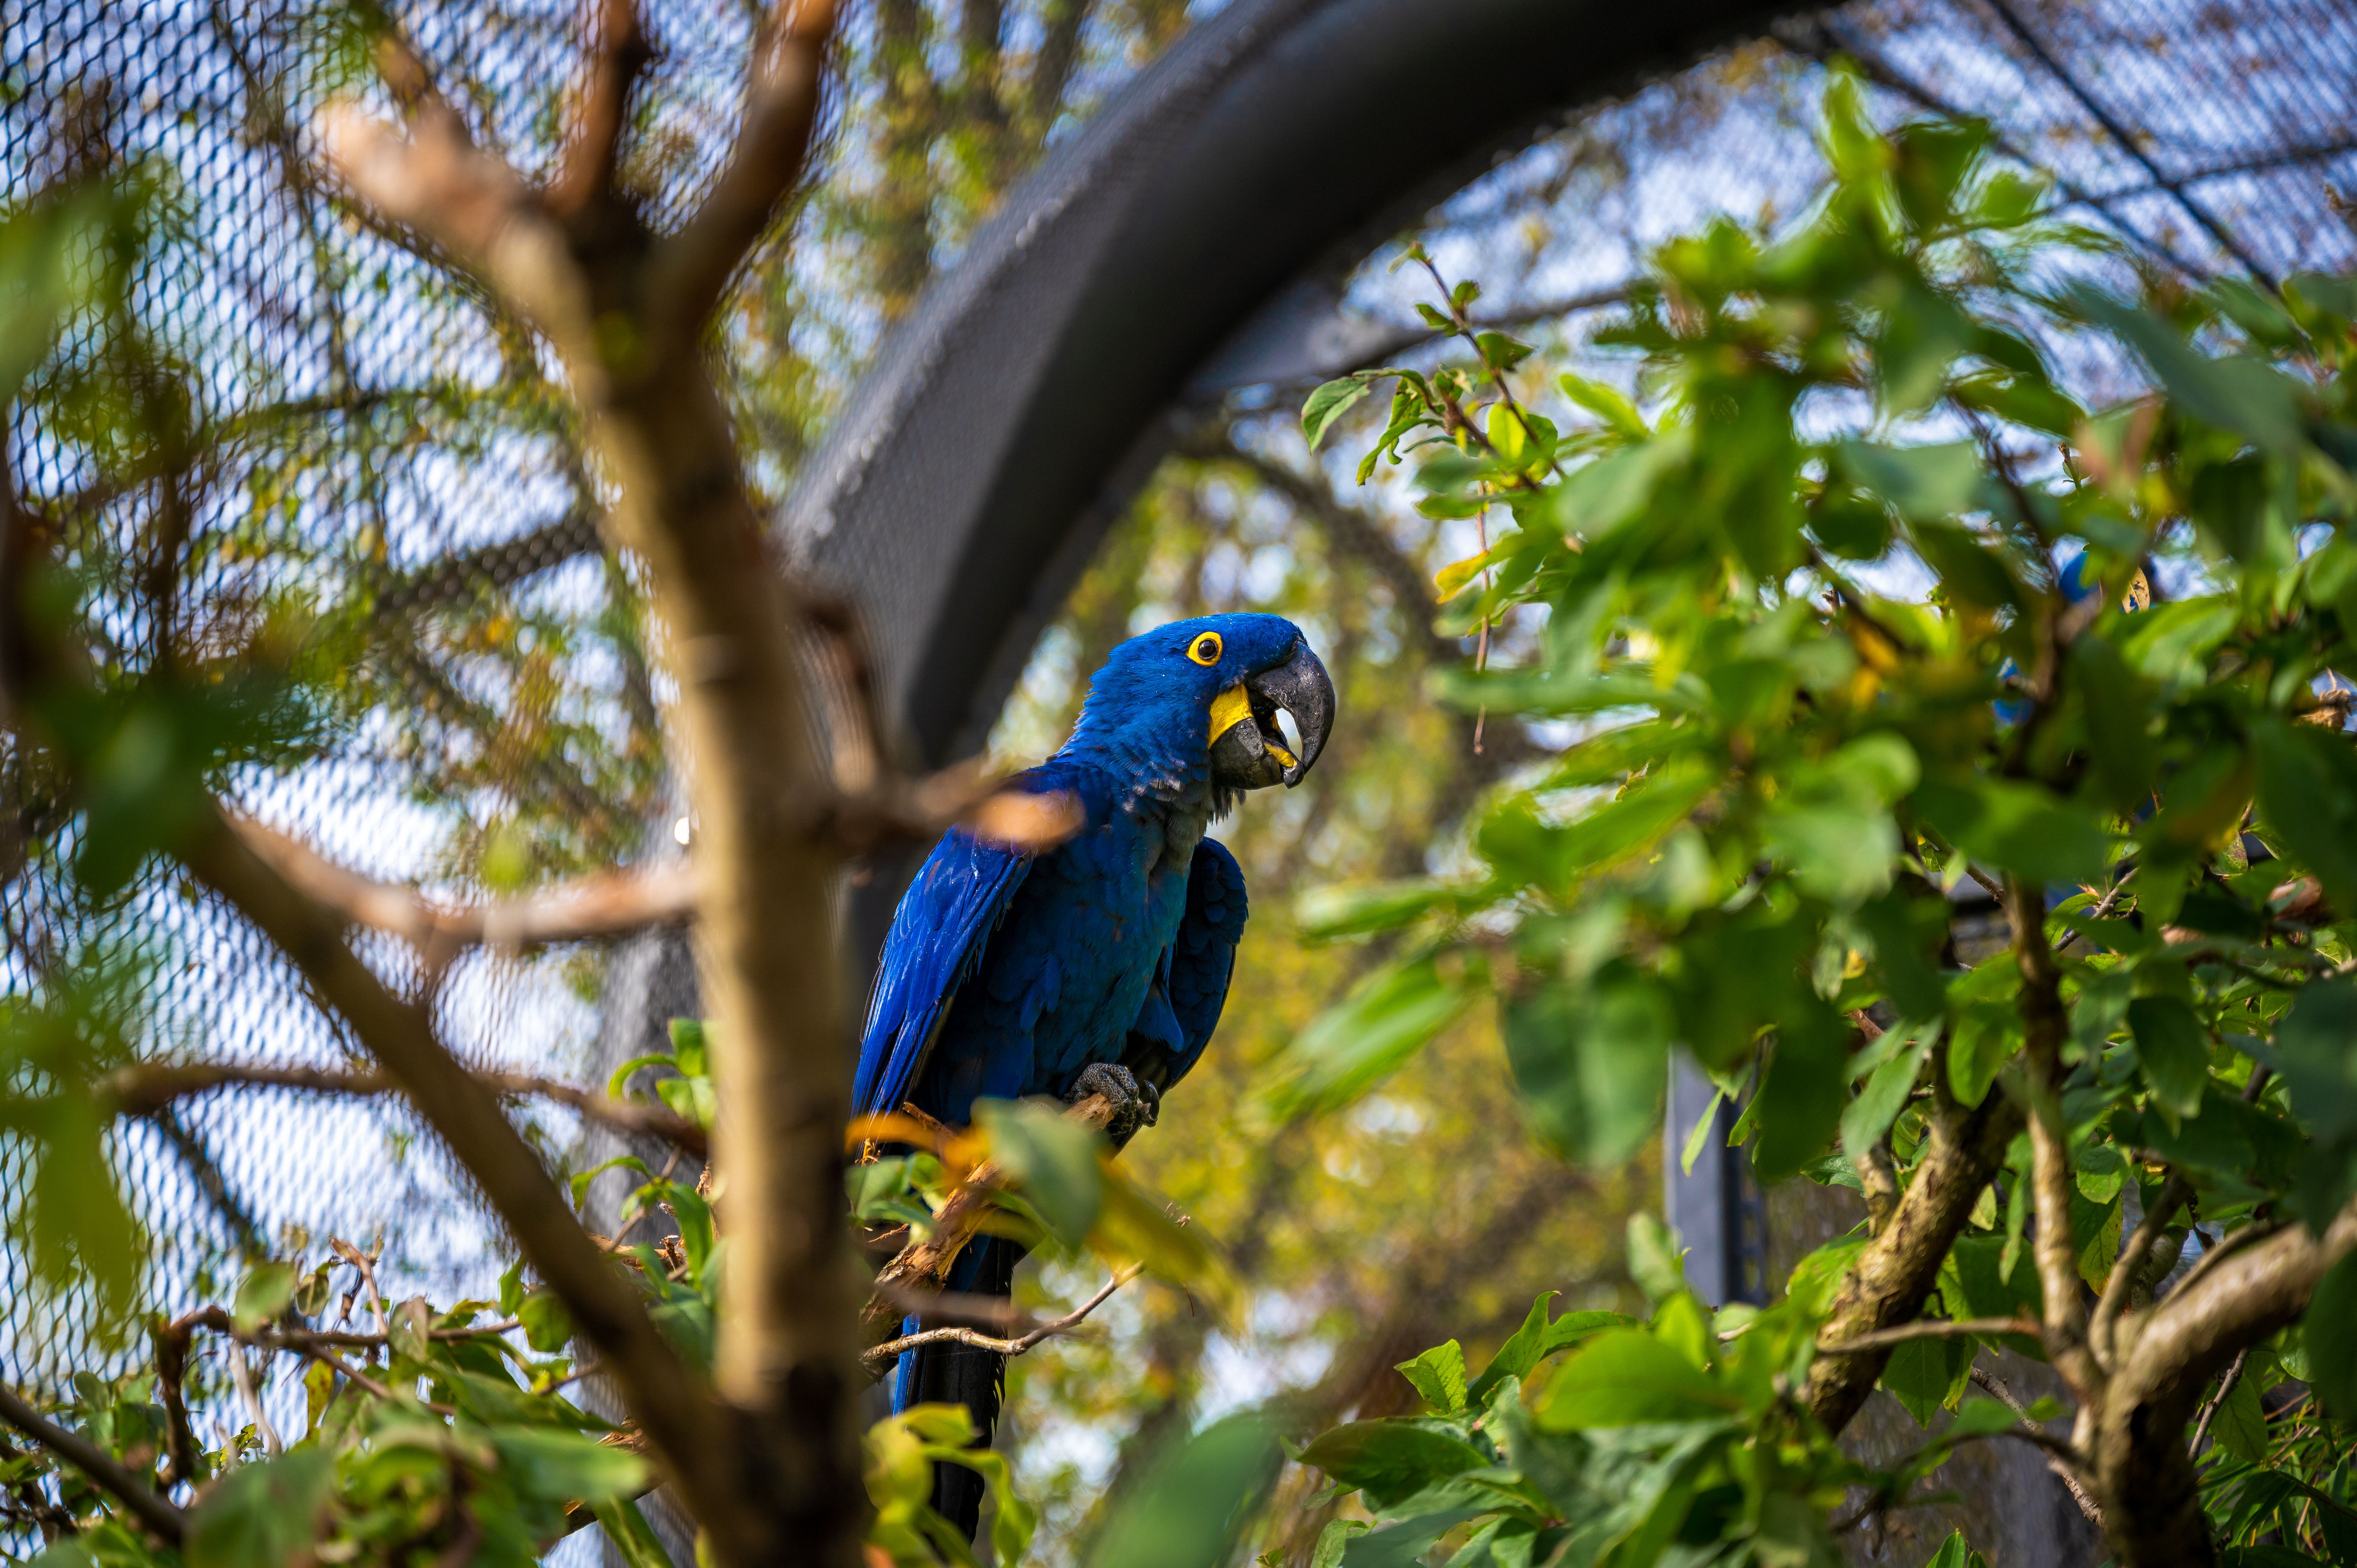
<point x="1206" y="650"/>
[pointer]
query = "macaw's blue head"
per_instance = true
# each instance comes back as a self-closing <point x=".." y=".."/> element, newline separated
<point x="1206" y="693"/>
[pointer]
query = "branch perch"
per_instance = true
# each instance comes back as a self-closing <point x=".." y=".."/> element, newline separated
<point x="881" y="1356"/>
<point x="954" y="1225"/>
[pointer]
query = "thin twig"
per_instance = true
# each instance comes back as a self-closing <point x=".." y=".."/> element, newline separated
<point x="2103" y="906"/>
<point x="367" y="1267"/>
<point x="2128" y="1266"/>
<point x="2217" y="1401"/>
<point x="1932" y="1328"/>
<point x="242" y="1374"/>
<point x="891" y="1348"/>
<point x="2065" y="1465"/>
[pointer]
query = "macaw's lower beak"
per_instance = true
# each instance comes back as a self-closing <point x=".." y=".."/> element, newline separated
<point x="1250" y="753"/>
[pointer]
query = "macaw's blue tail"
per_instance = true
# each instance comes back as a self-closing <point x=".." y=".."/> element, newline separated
<point x="961" y="1374"/>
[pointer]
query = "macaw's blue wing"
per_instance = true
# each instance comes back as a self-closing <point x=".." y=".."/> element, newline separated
<point x="938" y="936"/>
<point x="1190" y="985"/>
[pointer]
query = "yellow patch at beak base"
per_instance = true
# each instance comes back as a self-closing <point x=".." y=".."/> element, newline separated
<point x="1229" y="709"/>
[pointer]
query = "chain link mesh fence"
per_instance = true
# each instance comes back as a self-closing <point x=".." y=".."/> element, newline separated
<point x="369" y="434"/>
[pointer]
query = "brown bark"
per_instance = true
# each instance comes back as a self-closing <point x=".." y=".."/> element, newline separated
<point x="2045" y="1027"/>
<point x="627" y="312"/>
<point x="669" y="1401"/>
<point x="2145" y="1475"/>
<point x="1894" y="1275"/>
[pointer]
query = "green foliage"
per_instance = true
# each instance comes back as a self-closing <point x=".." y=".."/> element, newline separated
<point x="901" y="1453"/>
<point x="1190" y="1512"/>
<point x="1676" y="1437"/>
<point x="1782" y="768"/>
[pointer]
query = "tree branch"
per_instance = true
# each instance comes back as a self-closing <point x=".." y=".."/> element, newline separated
<point x="2045" y="1025"/>
<point x="1895" y="1273"/>
<point x="608" y="906"/>
<point x="1932" y="1328"/>
<point x="2217" y="1402"/>
<point x="2139" y="1447"/>
<point x="2128" y="1269"/>
<point x="956" y="1223"/>
<point x="159" y="1516"/>
<point x="669" y="1401"/>
<point x="773" y="141"/>
<point x="463" y="202"/>
<point x="594" y="152"/>
<point x="881" y="1356"/>
<point x="137" y="1090"/>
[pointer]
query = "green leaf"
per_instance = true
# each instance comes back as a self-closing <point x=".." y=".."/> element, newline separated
<point x="1956" y="1551"/>
<point x="1334" y="1540"/>
<point x="1331" y="402"/>
<point x="632" y="1537"/>
<point x="1921" y="335"/>
<point x="2307" y="801"/>
<point x="557" y="1465"/>
<point x="1802" y="1100"/>
<point x="1402" y="1545"/>
<point x="1390" y="1460"/>
<point x="2241" y="1427"/>
<point x="580" y="1180"/>
<point x="2232" y="393"/>
<point x="1537" y="1339"/>
<point x="617" y="1081"/>
<point x="1189" y="1510"/>
<point x="691" y="1047"/>
<point x="262" y="1514"/>
<point x="1867" y="1117"/>
<point x="1926" y="1374"/>
<point x="2329" y="1332"/>
<point x="1386" y="1019"/>
<point x="1053" y="1160"/>
<point x="1592" y="1062"/>
<point x="2315" y="1050"/>
<point x="1438" y="1376"/>
<point x="408" y="1326"/>
<point x="263" y="1295"/>
<point x="1925" y="483"/>
<point x="2017" y="827"/>
<point x="547" y="1326"/>
<point x="2174" y="1051"/>
<point x="314" y="1290"/>
<point x="2117" y="715"/>
<point x="1656" y="1262"/>
<point x="1624" y="1377"/>
<point x="1607" y="404"/>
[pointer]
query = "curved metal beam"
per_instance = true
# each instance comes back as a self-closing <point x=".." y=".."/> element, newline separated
<point x="1015" y="411"/>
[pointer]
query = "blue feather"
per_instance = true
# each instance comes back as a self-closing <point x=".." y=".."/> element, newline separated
<point x="1006" y="974"/>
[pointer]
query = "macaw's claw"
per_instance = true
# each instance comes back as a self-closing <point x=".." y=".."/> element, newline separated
<point x="1134" y="1104"/>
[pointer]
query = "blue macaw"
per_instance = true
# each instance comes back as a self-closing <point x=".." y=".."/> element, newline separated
<point x="1100" y="965"/>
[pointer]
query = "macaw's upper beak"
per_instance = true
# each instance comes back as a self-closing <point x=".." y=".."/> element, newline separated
<point x="1250" y="753"/>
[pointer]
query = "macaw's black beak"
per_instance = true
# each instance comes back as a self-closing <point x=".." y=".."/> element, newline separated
<point x="1253" y="754"/>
